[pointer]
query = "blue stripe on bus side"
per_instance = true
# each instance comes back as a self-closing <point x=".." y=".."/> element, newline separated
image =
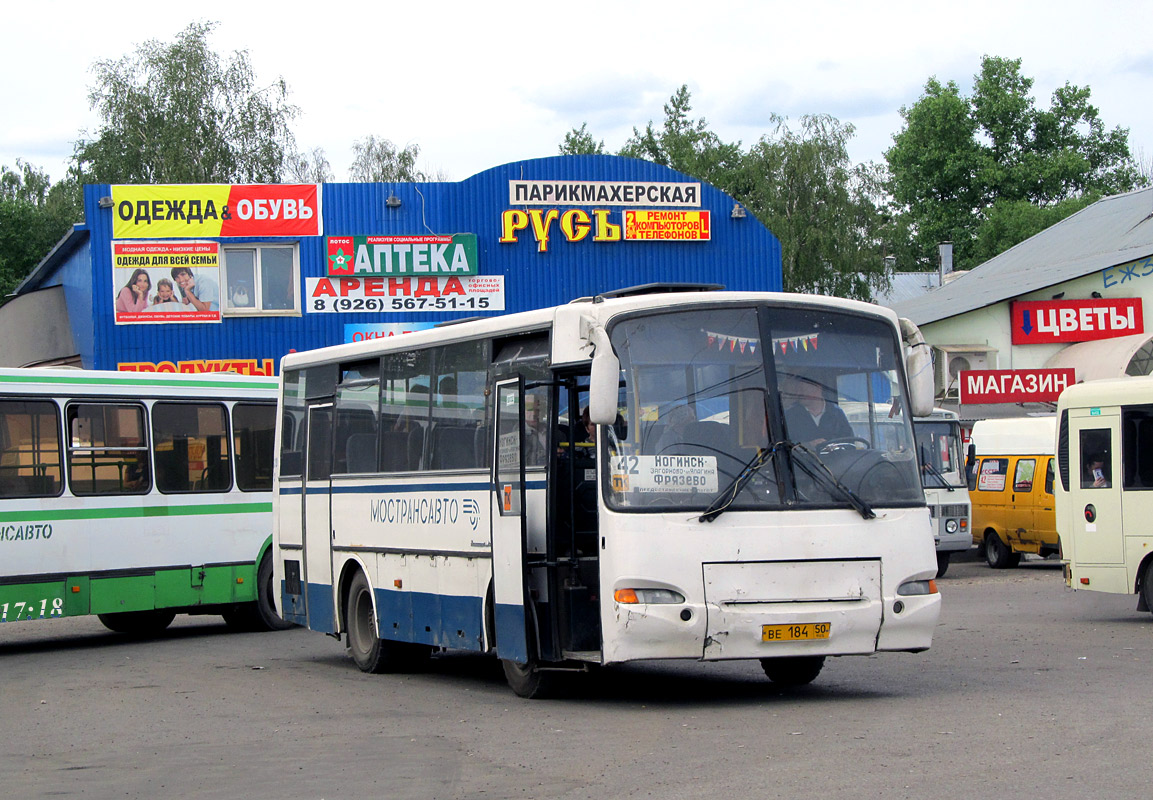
<point x="433" y="619"/>
<point x="510" y="633"/>
<point x="440" y="620"/>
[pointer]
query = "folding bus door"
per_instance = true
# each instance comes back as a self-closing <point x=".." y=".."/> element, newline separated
<point x="317" y="500"/>
<point x="509" y="527"/>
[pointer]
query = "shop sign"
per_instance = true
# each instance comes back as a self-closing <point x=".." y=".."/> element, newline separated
<point x="604" y="193"/>
<point x="1014" y="385"/>
<point x="471" y="293"/>
<point x="165" y="282"/>
<point x="1052" y="321"/>
<point x="1114" y="276"/>
<point x="215" y="210"/>
<point x="666" y="226"/>
<point x="402" y="255"/>
<point x="241" y="366"/>
<point x="382" y="330"/>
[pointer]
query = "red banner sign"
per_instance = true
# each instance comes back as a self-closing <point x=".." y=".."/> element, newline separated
<point x="1049" y="321"/>
<point x="1014" y="385"/>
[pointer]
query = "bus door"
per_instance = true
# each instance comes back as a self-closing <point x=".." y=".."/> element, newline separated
<point x="317" y="515"/>
<point x="511" y="614"/>
<point x="573" y="553"/>
<point x="1095" y="486"/>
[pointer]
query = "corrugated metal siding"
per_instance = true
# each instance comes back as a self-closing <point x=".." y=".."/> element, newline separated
<point x="742" y="255"/>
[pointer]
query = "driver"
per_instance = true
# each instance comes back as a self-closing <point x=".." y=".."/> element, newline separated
<point x="811" y="419"/>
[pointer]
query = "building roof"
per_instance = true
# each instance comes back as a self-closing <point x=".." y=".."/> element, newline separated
<point x="1112" y="231"/>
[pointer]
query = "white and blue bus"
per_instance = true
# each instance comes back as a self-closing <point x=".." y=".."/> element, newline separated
<point x="442" y="490"/>
<point x="136" y="497"/>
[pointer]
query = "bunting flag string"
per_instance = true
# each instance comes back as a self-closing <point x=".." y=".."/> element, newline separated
<point x="723" y="341"/>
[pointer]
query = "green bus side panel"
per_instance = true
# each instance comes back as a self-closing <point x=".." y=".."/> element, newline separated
<point x="27" y="601"/>
<point x="134" y="593"/>
<point x="77" y="596"/>
<point x="166" y="588"/>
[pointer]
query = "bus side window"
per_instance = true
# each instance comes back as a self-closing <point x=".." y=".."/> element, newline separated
<point x="29" y="449"/>
<point x="1137" y="446"/>
<point x="252" y="434"/>
<point x="357" y="431"/>
<point x="1096" y="461"/>
<point x="191" y="443"/>
<point x="404" y="409"/>
<point x="1023" y="478"/>
<point x="1049" y="477"/>
<point x="458" y="406"/>
<point x="107" y="449"/>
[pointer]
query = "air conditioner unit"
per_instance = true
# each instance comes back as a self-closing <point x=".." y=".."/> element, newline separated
<point x="949" y="360"/>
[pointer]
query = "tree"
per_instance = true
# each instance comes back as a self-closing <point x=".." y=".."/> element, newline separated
<point x="958" y="158"/>
<point x="34" y="215"/>
<point x="686" y="145"/>
<point x="378" y="161"/>
<point x="310" y="167"/>
<point x="178" y="113"/>
<point x="799" y="183"/>
<point x="579" y="142"/>
<point x="802" y="185"/>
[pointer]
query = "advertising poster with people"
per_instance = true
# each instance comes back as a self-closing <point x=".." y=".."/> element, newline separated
<point x="166" y="282"/>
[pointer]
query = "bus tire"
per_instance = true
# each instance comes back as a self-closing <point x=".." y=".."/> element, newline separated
<point x="998" y="555"/>
<point x="528" y="680"/>
<point x="942" y="563"/>
<point x="1147" y="585"/>
<point x="793" y="670"/>
<point x="259" y="615"/>
<point x="138" y="623"/>
<point x="368" y="650"/>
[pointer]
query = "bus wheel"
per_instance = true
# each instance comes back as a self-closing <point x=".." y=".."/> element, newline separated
<point x="793" y="670"/>
<point x="942" y="563"/>
<point x="138" y="623"/>
<point x="1147" y="585"/>
<point x="528" y="680"/>
<point x="369" y="651"/>
<point x="261" y="614"/>
<point x="998" y="554"/>
<point x="266" y="599"/>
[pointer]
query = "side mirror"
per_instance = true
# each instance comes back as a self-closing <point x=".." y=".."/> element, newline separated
<point x="604" y="381"/>
<point x="918" y="369"/>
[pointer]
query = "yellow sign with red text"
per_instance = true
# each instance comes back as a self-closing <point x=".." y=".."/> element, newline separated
<point x="215" y="210"/>
<point x="666" y="226"/>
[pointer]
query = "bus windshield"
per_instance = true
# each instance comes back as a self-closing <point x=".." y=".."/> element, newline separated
<point x="745" y="408"/>
<point x="939" y="450"/>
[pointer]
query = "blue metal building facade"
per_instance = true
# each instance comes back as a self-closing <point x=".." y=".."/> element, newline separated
<point x="740" y="253"/>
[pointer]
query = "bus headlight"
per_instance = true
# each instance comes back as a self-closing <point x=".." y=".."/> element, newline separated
<point x="911" y="588"/>
<point x="950" y="526"/>
<point x="654" y="596"/>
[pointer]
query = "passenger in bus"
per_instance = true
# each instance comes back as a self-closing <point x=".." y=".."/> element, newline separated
<point x="535" y="432"/>
<point x="1096" y="472"/>
<point x="811" y="419"/>
<point x="676" y="424"/>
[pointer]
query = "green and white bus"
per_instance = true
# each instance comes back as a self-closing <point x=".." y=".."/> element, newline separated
<point x="136" y="497"/>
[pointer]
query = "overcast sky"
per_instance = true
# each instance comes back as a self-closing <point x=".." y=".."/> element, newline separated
<point x="476" y="85"/>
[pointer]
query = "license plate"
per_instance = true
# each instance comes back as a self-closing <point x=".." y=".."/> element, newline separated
<point x="796" y="632"/>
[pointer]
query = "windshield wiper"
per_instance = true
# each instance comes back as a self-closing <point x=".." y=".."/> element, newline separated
<point x="815" y="468"/>
<point x="726" y="498"/>
<point x="936" y="473"/>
